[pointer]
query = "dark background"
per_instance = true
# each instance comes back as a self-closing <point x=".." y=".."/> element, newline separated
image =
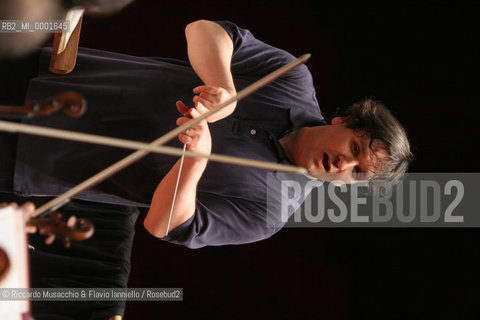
<point x="420" y="59"/>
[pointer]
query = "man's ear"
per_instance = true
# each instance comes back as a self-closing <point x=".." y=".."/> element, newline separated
<point x="338" y="120"/>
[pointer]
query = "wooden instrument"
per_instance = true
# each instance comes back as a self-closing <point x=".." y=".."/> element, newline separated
<point x="70" y="102"/>
<point x="72" y="229"/>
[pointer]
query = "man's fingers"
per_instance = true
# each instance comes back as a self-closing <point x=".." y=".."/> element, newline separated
<point x="193" y="112"/>
<point x="31" y="229"/>
<point x="207" y="97"/>
<point x="184" y="138"/>
<point x="182" y="120"/>
<point x="191" y="135"/>
<point x="195" y="99"/>
<point x="201" y="109"/>
<point x="205" y="102"/>
<point x="208" y="89"/>
<point x="27" y="209"/>
<point x="181" y="107"/>
<point x="9" y="204"/>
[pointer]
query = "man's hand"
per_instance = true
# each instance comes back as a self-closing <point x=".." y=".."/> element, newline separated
<point x="26" y="210"/>
<point x="198" y="137"/>
<point x="210" y="97"/>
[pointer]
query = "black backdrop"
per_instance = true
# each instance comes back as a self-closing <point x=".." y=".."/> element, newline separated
<point x="419" y="58"/>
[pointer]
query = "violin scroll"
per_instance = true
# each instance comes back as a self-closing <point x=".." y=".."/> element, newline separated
<point x="72" y="229"/>
<point x="70" y="102"/>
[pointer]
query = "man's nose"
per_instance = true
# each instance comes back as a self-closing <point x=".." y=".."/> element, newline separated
<point x="346" y="164"/>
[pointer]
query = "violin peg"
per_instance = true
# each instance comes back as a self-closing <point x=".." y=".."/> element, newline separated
<point x="74" y="105"/>
<point x="72" y="222"/>
<point x="50" y="239"/>
<point x="72" y="229"/>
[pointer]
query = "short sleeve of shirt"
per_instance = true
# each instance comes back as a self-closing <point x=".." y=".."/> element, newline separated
<point x="220" y="220"/>
<point x="253" y="57"/>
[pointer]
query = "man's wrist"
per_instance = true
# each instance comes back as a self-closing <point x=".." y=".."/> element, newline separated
<point x="195" y="163"/>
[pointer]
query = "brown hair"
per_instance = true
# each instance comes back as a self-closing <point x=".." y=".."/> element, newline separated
<point x="373" y="119"/>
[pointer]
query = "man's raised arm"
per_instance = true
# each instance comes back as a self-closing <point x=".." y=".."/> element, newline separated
<point x="210" y="50"/>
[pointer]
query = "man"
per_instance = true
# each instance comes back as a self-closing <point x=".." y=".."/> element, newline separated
<point x="216" y="204"/>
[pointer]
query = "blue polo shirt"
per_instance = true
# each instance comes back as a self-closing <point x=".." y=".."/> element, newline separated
<point x="134" y="98"/>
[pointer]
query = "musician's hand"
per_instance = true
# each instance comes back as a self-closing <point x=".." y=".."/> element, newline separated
<point x="26" y="210"/>
<point x="198" y="137"/>
<point x="209" y="97"/>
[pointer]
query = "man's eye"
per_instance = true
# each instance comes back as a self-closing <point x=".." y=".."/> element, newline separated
<point x="356" y="149"/>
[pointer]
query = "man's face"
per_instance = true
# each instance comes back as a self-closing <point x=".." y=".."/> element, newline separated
<point x="336" y="152"/>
